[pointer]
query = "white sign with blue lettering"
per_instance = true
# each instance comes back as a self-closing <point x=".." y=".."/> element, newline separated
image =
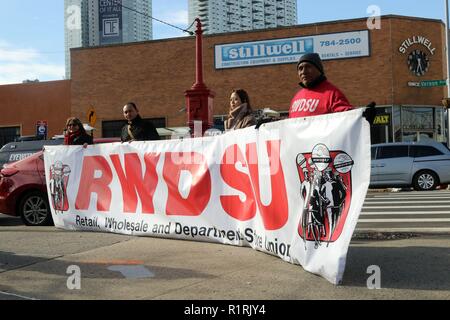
<point x="289" y="50"/>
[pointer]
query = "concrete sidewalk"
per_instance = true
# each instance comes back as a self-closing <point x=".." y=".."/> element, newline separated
<point x="35" y="264"/>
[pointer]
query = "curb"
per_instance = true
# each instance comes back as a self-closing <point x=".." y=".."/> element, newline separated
<point x="397" y="233"/>
<point x="404" y="230"/>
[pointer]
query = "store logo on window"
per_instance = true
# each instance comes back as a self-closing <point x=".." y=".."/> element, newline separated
<point x="382" y="119"/>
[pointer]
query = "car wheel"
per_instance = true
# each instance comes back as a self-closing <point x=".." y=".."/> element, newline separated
<point x="35" y="210"/>
<point x="425" y="181"/>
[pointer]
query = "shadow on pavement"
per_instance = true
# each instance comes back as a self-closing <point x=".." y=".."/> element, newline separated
<point x="415" y="268"/>
<point x="50" y="265"/>
<point x="10" y="261"/>
<point x="8" y="221"/>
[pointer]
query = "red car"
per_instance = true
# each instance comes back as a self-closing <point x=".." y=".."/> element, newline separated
<point x="23" y="190"/>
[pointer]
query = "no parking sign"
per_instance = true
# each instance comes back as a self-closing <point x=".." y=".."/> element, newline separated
<point x="41" y="128"/>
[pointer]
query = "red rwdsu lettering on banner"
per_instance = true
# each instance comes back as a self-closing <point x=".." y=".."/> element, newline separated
<point x="89" y="184"/>
<point x="132" y="180"/>
<point x="232" y="204"/>
<point x="275" y="215"/>
<point x="200" y="189"/>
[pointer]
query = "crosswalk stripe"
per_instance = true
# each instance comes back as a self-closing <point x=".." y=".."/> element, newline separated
<point x="406" y="207"/>
<point x="408" y="202"/>
<point x="416" y="207"/>
<point x="402" y="212"/>
<point x="391" y="196"/>
<point x="406" y="220"/>
<point x="408" y="198"/>
<point x="437" y="230"/>
<point x="434" y="195"/>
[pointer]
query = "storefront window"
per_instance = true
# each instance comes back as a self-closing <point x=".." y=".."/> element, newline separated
<point x="409" y="123"/>
<point x="417" y="118"/>
<point x="420" y="123"/>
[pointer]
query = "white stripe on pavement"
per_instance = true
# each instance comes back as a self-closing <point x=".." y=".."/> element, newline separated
<point x="417" y="196"/>
<point x="437" y="230"/>
<point x="406" y="207"/>
<point x="16" y="295"/>
<point x="409" y="202"/>
<point x="403" y="212"/>
<point x="406" y="220"/>
<point x="405" y="199"/>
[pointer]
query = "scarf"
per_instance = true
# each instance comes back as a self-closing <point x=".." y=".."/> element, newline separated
<point x="69" y="137"/>
<point x="235" y="115"/>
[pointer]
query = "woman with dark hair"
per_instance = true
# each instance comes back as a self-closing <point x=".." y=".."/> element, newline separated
<point x="240" y="114"/>
<point x="75" y="134"/>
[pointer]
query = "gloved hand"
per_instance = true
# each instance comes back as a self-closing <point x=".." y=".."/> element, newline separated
<point x="262" y="121"/>
<point x="370" y="112"/>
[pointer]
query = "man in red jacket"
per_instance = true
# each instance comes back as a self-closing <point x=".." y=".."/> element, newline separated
<point x="318" y="95"/>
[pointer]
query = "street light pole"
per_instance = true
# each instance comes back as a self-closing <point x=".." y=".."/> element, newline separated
<point x="447" y="51"/>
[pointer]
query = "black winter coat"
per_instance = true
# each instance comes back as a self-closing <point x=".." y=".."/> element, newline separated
<point x="141" y="130"/>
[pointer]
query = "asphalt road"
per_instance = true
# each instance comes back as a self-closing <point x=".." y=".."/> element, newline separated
<point x="44" y="262"/>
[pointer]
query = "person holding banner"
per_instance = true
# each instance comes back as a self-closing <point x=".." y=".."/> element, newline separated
<point x="75" y="134"/>
<point x="137" y="129"/>
<point x="240" y="114"/>
<point x="317" y="95"/>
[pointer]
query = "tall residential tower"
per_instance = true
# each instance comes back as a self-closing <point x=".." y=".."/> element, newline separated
<point x="101" y="22"/>
<point x="219" y="16"/>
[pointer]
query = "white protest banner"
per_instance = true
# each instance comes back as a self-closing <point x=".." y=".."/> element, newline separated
<point x="294" y="188"/>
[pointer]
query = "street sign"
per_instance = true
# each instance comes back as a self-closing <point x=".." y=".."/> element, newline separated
<point x="433" y="83"/>
<point x="91" y="117"/>
<point x="413" y="84"/>
<point x="41" y="128"/>
<point x="427" y="83"/>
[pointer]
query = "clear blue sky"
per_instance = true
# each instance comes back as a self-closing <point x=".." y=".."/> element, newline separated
<point x="32" y="31"/>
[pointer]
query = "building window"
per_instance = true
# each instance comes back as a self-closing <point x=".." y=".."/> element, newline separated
<point x="8" y="134"/>
<point x="111" y="129"/>
<point x="409" y="123"/>
<point x="417" y="123"/>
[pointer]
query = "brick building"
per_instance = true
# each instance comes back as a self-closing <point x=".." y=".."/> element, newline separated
<point x="390" y="67"/>
<point x="24" y="105"/>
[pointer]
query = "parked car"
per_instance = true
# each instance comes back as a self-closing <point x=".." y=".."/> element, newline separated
<point x="23" y="190"/>
<point x="14" y="151"/>
<point x="421" y="165"/>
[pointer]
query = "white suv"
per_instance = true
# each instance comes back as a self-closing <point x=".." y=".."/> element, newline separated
<point x="422" y="165"/>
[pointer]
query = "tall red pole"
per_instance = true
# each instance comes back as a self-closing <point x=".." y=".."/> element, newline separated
<point x="198" y="57"/>
<point x="199" y="99"/>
